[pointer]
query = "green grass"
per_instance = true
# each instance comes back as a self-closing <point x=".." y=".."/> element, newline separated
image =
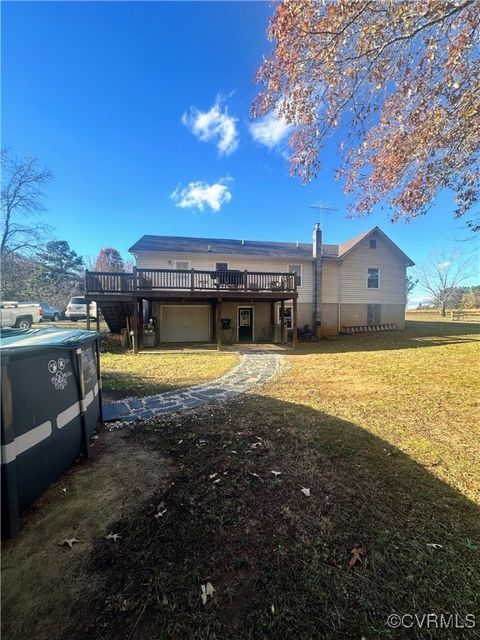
<point x="383" y="430"/>
<point x="125" y="374"/>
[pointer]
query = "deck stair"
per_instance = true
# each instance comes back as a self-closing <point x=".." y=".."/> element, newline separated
<point x="368" y="328"/>
<point x="115" y="314"/>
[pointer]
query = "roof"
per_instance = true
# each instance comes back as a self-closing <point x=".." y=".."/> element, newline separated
<point x="219" y="246"/>
<point x="67" y="338"/>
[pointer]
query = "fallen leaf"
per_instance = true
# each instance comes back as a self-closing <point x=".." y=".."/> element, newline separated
<point x="357" y="553"/>
<point x="68" y="541"/>
<point x="276" y="473"/>
<point x="217" y="481"/>
<point x="305" y="491"/>
<point x="213" y="475"/>
<point x="434" y="545"/>
<point x="161" y="513"/>
<point x="272" y="608"/>
<point x="113" y="536"/>
<point x="206" y="590"/>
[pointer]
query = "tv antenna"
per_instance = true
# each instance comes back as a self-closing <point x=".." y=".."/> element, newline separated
<point x="324" y="208"/>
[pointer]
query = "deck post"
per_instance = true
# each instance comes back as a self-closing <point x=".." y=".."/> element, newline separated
<point x="88" y="315"/>
<point x="135" y="325"/>
<point x="192" y="279"/>
<point x="140" y="326"/>
<point x="97" y="319"/>
<point x="219" y="325"/>
<point x="282" y="321"/>
<point x="272" y="321"/>
<point x="294" y="323"/>
<point x="135" y="279"/>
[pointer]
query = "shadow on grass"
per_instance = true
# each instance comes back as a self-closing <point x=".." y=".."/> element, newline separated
<point x="279" y="560"/>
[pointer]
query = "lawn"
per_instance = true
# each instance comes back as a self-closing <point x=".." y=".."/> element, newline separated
<point x="125" y="374"/>
<point x="382" y="430"/>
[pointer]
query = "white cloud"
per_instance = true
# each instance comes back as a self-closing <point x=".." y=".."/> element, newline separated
<point x="270" y="130"/>
<point x="214" y="125"/>
<point x="199" y="195"/>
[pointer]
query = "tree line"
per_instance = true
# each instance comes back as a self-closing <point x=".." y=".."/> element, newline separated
<point x="35" y="266"/>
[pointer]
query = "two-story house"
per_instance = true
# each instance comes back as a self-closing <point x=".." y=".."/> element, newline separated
<point x="225" y="291"/>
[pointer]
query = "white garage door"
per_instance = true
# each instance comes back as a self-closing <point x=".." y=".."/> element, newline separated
<point x="185" y="323"/>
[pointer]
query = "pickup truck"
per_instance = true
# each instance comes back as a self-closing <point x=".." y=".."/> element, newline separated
<point x="19" y="314"/>
<point x="50" y="313"/>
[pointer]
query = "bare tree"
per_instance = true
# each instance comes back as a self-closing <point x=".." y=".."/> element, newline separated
<point x="442" y="274"/>
<point x="23" y="180"/>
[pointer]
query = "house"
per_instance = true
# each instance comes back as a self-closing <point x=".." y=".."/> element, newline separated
<point x="216" y="290"/>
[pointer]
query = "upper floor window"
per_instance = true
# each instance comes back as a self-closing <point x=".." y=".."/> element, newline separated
<point x="373" y="278"/>
<point x="373" y="243"/>
<point x="183" y="265"/>
<point x="221" y="266"/>
<point x="296" y="268"/>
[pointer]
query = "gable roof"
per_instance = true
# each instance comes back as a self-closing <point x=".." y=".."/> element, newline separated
<point x="222" y="246"/>
<point x="346" y="247"/>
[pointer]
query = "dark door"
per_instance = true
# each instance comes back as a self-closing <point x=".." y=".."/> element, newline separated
<point x="373" y="314"/>
<point x="245" y="324"/>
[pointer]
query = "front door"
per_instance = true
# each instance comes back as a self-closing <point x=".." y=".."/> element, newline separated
<point x="245" y="324"/>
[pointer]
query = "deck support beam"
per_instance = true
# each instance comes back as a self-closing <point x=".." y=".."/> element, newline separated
<point x="294" y="323"/>
<point x="218" y="323"/>
<point x="282" y="321"/>
<point x="135" y="326"/>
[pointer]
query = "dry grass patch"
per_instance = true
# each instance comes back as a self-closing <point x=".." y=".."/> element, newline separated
<point x="417" y="390"/>
<point x="125" y="374"/>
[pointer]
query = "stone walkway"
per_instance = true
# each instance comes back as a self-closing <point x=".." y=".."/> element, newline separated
<point x="255" y="368"/>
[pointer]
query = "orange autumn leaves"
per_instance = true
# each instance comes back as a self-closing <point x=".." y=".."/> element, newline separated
<point x="403" y="77"/>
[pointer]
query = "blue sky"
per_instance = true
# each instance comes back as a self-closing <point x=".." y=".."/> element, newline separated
<point x="98" y="92"/>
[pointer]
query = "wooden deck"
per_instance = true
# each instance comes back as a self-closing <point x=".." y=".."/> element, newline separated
<point x="170" y="283"/>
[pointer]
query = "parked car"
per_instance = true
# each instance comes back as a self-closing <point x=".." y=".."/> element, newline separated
<point x="50" y="313"/>
<point x="77" y="309"/>
<point x="19" y="314"/>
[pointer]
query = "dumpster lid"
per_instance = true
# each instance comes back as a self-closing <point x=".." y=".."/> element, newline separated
<point x="10" y="338"/>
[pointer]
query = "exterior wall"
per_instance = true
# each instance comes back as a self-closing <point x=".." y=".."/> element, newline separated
<point x="353" y="275"/>
<point x="329" y="319"/>
<point x="345" y="282"/>
<point x="356" y="314"/>
<point x="262" y="331"/>
<point x="202" y="261"/>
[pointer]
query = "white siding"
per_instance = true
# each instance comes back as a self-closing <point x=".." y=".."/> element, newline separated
<point x="330" y="270"/>
<point x="160" y="260"/>
<point x="353" y="275"/>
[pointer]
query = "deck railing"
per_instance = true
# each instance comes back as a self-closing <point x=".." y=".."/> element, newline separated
<point x="98" y="282"/>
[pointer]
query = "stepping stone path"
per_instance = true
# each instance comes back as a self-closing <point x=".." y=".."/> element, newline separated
<point x="255" y="368"/>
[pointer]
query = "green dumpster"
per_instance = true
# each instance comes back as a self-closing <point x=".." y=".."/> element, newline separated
<point x="51" y="404"/>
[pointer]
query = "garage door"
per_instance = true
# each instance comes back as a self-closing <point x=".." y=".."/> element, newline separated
<point x="185" y="323"/>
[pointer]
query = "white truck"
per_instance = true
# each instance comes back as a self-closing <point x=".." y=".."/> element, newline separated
<point x="19" y="314"/>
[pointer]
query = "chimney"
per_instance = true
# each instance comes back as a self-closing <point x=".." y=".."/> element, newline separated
<point x="317" y="240"/>
<point x="317" y="280"/>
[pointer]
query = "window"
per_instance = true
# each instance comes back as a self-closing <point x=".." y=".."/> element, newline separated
<point x="288" y="316"/>
<point x="183" y="265"/>
<point x="296" y="268"/>
<point x="373" y="278"/>
<point x="221" y="266"/>
<point x="373" y="243"/>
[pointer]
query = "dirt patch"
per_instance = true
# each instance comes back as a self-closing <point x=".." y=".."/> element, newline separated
<point x="44" y="585"/>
